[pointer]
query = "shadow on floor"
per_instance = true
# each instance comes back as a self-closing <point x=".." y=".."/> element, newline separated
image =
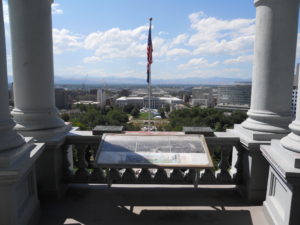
<point x="97" y="204"/>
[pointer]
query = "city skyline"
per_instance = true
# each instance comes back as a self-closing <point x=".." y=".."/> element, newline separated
<point x="190" y="39"/>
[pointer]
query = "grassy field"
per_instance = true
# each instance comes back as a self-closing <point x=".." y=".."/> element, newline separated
<point x="144" y="116"/>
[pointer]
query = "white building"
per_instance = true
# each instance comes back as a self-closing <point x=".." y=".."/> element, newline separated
<point x="156" y="102"/>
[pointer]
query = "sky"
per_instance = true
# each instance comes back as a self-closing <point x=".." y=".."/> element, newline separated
<point x="191" y="38"/>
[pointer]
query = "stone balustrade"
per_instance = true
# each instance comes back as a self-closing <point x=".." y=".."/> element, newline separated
<point x="79" y="164"/>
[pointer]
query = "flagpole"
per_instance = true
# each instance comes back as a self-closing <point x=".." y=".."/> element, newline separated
<point x="149" y="76"/>
<point x="149" y="100"/>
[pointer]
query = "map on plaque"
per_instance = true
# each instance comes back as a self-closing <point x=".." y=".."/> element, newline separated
<point x="152" y="151"/>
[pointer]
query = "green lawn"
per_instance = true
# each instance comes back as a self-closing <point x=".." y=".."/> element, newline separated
<point x="144" y="116"/>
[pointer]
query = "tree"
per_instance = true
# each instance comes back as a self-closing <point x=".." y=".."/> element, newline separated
<point x="162" y="112"/>
<point x="135" y="112"/>
<point x="124" y="92"/>
<point x="65" y="117"/>
<point x="211" y="117"/>
<point x="128" y="108"/>
<point x="117" y="117"/>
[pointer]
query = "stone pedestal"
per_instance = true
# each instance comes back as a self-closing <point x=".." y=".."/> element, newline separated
<point x="255" y="167"/>
<point x="283" y="193"/>
<point x="19" y="203"/>
<point x="50" y="168"/>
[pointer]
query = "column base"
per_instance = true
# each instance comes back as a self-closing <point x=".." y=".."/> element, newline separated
<point x="267" y="122"/>
<point x="48" y="135"/>
<point x="258" y="137"/>
<point x="36" y="120"/>
<point x="19" y="203"/>
<point x="9" y="138"/>
<point x="255" y="167"/>
<point x="282" y="199"/>
<point x="292" y="141"/>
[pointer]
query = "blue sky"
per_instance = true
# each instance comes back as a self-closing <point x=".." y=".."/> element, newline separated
<point x="191" y="38"/>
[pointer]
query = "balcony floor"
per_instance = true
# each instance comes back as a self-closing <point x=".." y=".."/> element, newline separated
<point x="163" y="204"/>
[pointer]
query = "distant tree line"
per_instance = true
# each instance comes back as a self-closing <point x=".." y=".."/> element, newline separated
<point x="92" y="116"/>
<point x="217" y="119"/>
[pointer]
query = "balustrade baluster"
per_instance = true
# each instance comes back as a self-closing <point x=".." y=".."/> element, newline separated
<point x="177" y="176"/>
<point x="82" y="174"/>
<point x="88" y="154"/>
<point x="208" y="177"/>
<point x="145" y="176"/>
<point x="238" y="176"/>
<point x="224" y="176"/>
<point x="114" y="175"/>
<point x="190" y="176"/>
<point x="129" y="176"/>
<point x="68" y="166"/>
<point x="160" y="176"/>
<point x="97" y="175"/>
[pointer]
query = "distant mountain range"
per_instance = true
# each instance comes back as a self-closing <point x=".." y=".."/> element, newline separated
<point x="133" y="80"/>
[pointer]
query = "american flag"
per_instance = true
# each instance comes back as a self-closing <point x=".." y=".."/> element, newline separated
<point x="149" y="53"/>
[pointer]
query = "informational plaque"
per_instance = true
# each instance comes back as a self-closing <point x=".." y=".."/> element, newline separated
<point x="153" y="151"/>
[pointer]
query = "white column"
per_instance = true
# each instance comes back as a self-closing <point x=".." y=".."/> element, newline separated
<point x="8" y="137"/>
<point x="292" y="141"/>
<point x="273" y="69"/>
<point x="32" y="55"/>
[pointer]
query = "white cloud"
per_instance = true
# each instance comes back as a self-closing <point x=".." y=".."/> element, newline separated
<point x="197" y="63"/>
<point x="117" y="43"/>
<point x="240" y="59"/>
<point x="92" y="59"/>
<point x="181" y="38"/>
<point x="177" y="52"/>
<point x="160" y="33"/>
<point x="230" y="42"/>
<point x="80" y="71"/>
<point x="64" y="40"/>
<point x="215" y="35"/>
<point x="56" y="9"/>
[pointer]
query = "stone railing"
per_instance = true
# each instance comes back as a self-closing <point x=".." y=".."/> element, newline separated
<point x="81" y="148"/>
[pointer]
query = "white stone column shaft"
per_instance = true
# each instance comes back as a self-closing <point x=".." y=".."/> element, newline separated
<point x="32" y="57"/>
<point x="292" y="141"/>
<point x="8" y="137"/>
<point x="273" y="66"/>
